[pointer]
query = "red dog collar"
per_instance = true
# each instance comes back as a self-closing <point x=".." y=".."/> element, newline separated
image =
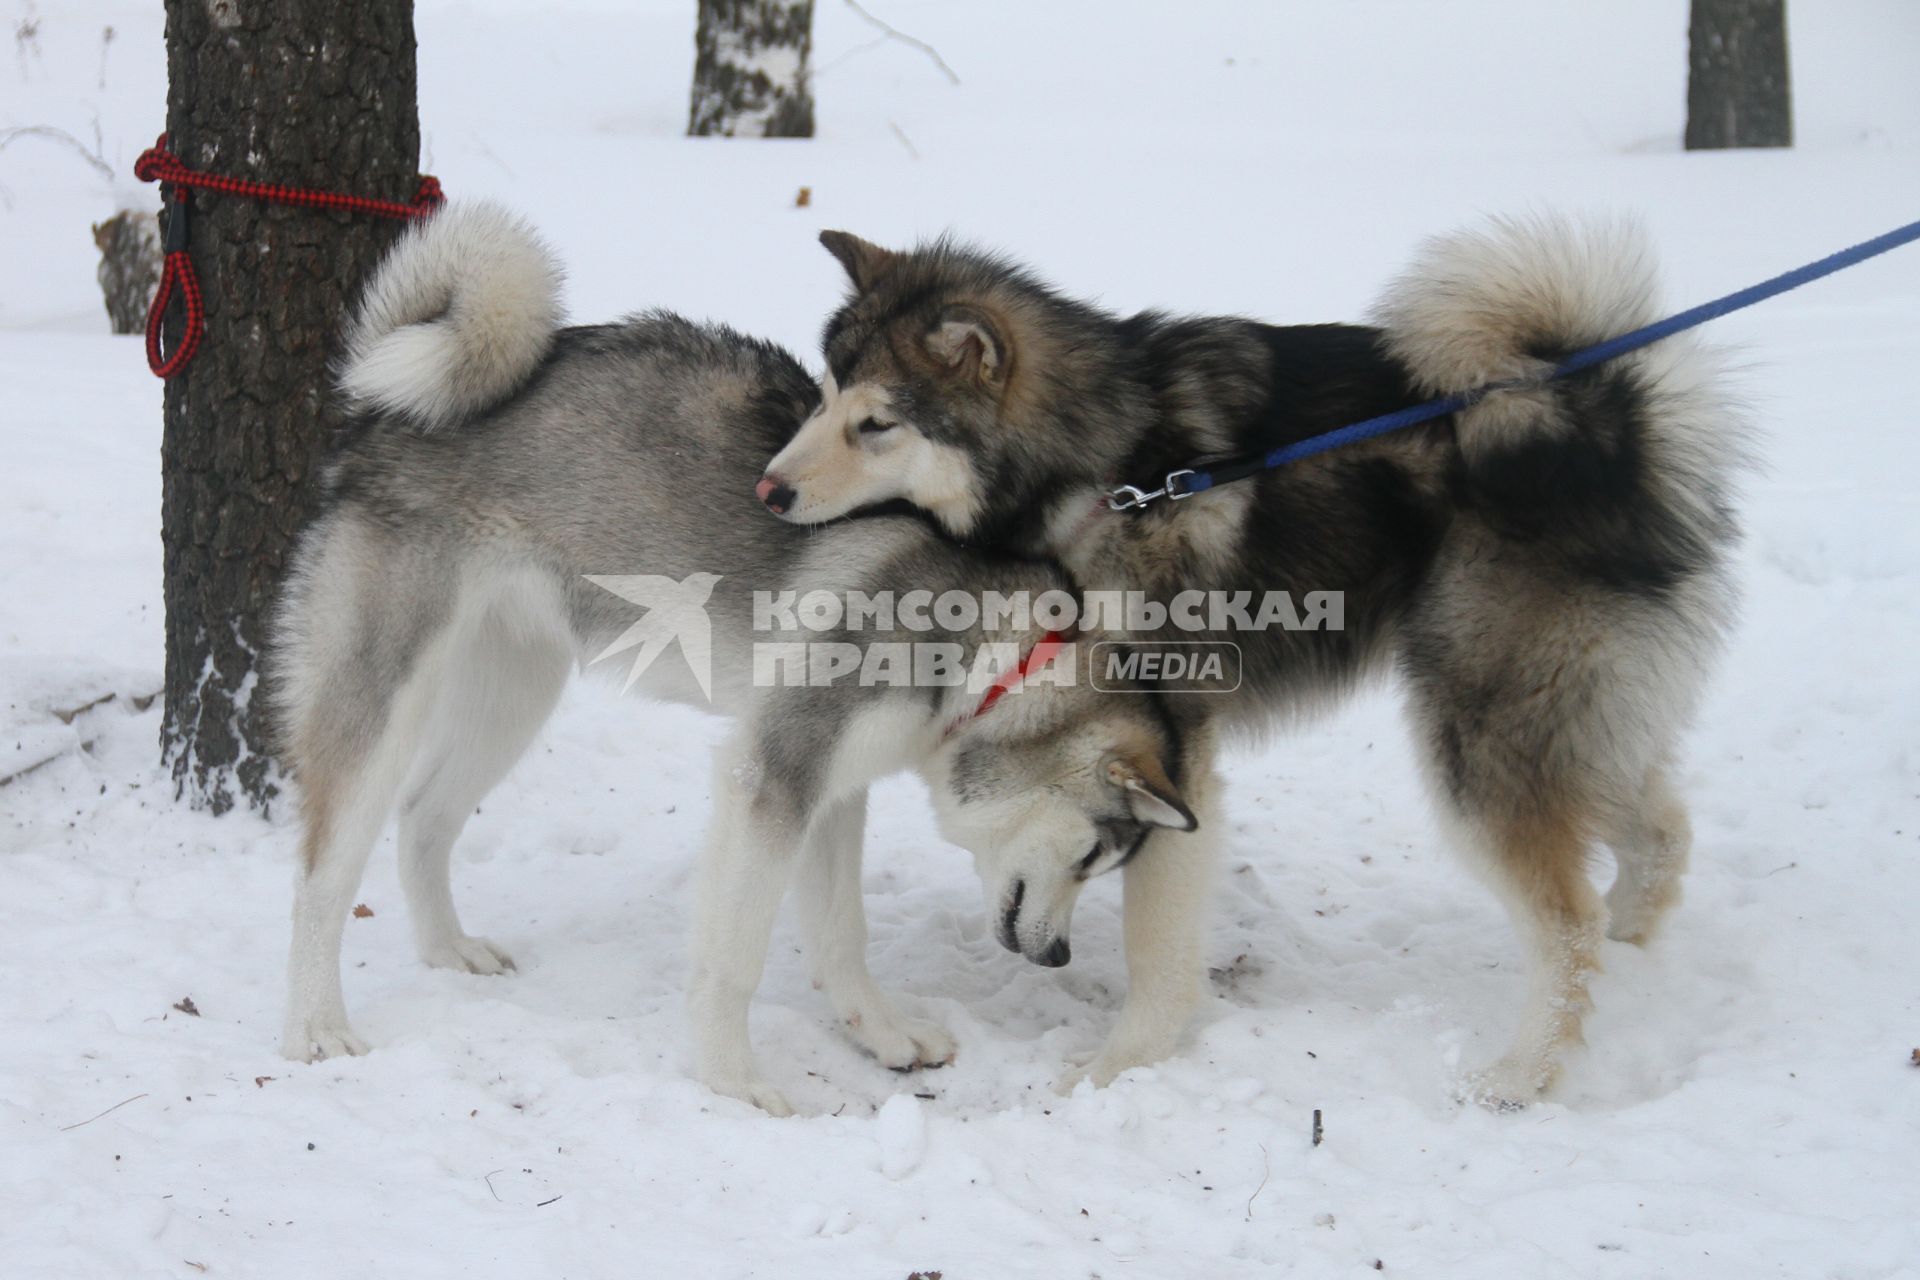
<point x="1037" y="657"/>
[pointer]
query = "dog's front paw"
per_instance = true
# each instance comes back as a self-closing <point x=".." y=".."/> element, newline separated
<point x="1127" y="1048"/>
<point x="464" y="954"/>
<point x="754" y="1092"/>
<point x="1099" y="1071"/>
<point x="312" y="1039"/>
<point x="900" y="1043"/>
<point x="1511" y="1084"/>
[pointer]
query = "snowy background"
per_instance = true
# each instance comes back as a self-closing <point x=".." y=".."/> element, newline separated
<point x="1746" y="1107"/>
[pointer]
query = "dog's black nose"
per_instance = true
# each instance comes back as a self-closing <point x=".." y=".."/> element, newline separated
<point x="1057" y="954"/>
<point x="776" y="493"/>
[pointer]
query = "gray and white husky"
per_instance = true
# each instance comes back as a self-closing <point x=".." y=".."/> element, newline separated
<point x="439" y="601"/>
<point x="1546" y="570"/>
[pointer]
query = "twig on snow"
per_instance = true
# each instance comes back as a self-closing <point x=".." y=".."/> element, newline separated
<point x="6" y="779"/>
<point x="902" y="36"/>
<point x="109" y="1111"/>
<point x="1264" y="1172"/>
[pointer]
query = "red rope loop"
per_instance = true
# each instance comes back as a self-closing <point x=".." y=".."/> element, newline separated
<point x="177" y="273"/>
<point x="157" y="164"/>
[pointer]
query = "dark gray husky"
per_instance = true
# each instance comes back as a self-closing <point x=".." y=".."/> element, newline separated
<point x="1545" y="570"/>
<point x="512" y="491"/>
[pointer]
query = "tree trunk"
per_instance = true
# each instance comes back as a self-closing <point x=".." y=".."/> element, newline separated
<point x="1737" y="89"/>
<point x="317" y="93"/>
<point x="750" y="70"/>
<point x="130" y="263"/>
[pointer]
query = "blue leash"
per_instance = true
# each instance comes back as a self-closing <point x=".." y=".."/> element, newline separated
<point x="1189" y="481"/>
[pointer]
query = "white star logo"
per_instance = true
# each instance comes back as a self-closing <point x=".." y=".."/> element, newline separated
<point x="674" y="611"/>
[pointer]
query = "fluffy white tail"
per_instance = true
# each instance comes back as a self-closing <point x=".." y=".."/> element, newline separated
<point x="1640" y="452"/>
<point x="457" y="317"/>
<point x="1502" y="302"/>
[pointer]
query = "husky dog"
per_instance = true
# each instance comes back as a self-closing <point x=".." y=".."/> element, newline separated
<point x="438" y="602"/>
<point x="1546" y="570"/>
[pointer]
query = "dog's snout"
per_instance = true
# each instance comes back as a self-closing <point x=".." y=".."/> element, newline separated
<point x="775" y="492"/>
<point x="1053" y="953"/>
<point x="1010" y="917"/>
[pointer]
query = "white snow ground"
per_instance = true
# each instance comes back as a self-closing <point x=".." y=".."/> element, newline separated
<point x="1746" y="1107"/>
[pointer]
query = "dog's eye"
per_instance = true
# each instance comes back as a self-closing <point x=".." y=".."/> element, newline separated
<point x="874" y="427"/>
<point x="1093" y="856"/>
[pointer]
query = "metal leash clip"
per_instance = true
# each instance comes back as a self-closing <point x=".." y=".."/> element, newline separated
<point x="1130" y="497"/>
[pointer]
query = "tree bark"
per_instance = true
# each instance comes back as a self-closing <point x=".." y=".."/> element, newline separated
<point x="750" y="74"/>
<point x="317" y="93"/>
<point x="1738" y="94"/>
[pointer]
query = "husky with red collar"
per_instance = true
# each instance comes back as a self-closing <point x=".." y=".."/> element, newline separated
<point x="1546" y="571"/>
<point x="519" y="498"/>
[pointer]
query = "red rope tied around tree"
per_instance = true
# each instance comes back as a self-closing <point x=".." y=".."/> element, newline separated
<point x="157" y="164"/>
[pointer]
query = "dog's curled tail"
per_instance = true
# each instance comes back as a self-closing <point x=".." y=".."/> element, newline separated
<point x="1629" y="465"/>
<point x="457" y="316"/>
<point x="1508" y="301"/>
<point x="1504" y="302"/>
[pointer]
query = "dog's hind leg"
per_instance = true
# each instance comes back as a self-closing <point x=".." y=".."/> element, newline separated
<point x="1537" y="863"/>
<point x="835" y="922"/>
<point x="357" y="662"/>
<point x="509" y="666"/>
<point x="1650" y="839"/>
<point x="741" y="879"/>
<point x="357" y="751"/>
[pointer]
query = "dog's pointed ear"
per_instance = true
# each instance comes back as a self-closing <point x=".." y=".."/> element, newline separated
<point x="1150" y="795"/>
<point x="865" y="261"/>
<point x="970" y="345"/>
